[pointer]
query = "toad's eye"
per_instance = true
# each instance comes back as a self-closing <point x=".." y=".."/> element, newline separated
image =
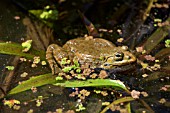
<point x="107" y="65"/>
<point x="118" y="56"/>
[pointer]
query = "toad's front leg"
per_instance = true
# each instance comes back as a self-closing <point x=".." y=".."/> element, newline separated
<point x="54" y="55"/>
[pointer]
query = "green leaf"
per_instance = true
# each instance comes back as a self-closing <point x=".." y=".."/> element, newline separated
<point x="26" y="45"/>
<point x="65" y="61"/>
<point x="46" y="13"/>
<point x="59" y="78"/>
<point x="78" y="70"/>
<point x="37" y="13"/>
<point x="76" y="63"/>
<point x="50" y="79"/>
<point x="67" y="69"/>
<point x="167" y="43"/>
<point x="127" y="106"/>
<point x="118" y="101"/>
<point x="34" y="81"/>
<point x="10" y="68"/>
<point x="93" y="83"/>
<point x="16" y="49"/>
<point x="80" y="108"/>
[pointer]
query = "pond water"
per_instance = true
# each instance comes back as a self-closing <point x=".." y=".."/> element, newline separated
<point x="150" y="77"/>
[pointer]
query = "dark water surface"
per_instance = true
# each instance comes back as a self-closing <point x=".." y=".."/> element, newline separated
<point x="56" y="97"/>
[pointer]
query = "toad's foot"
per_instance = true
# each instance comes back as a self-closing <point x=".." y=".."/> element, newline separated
<point x="54" y="55"/>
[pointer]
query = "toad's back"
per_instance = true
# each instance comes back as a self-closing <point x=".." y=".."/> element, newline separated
<point x="91" y="47"/>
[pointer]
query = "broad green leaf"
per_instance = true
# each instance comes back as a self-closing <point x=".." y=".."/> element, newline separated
<point x="93" y="83"/>
<point x="16" y="49"/>
<point x="34" y="81"/>
<point x="50" y="79"/>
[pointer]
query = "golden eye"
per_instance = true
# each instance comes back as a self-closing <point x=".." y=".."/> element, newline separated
<point x="118" y="56"/>
<point x="107" y="65"/>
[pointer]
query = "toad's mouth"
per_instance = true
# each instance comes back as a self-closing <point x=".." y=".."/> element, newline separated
<point x="121" y="69"/>
<point x="125" y="69"/>
<point x="116" y="65"/>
